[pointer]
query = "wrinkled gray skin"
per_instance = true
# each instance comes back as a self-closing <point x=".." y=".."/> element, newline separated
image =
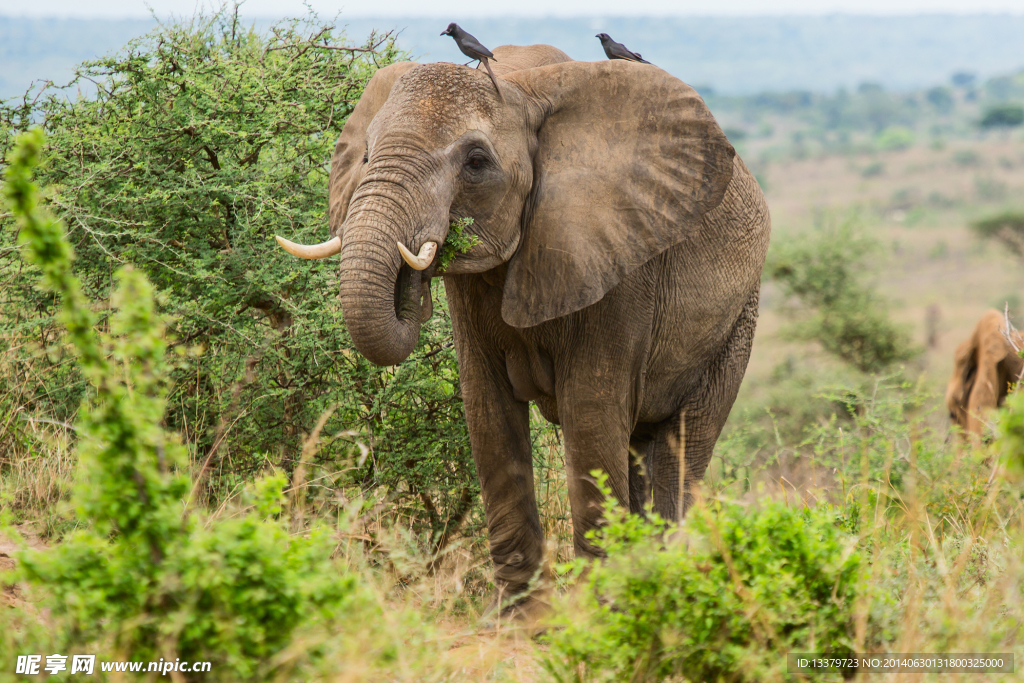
<point x="616" y="283"/>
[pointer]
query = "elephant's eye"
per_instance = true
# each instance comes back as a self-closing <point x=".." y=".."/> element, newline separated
<point x="476" y="161"/>
<point x="366" y="155"/>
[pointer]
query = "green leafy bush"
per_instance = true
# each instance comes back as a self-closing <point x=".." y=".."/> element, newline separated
<point x="203" y="140"/>
<point x="457" y="242"/>
<point x="139" y="575"/>
<point x="1003" y="116"/>
<point x="849" y="319"/>
<point x="724" y="599"/>
<point x="895" y="138"/>
<point x="1010" y="434"/>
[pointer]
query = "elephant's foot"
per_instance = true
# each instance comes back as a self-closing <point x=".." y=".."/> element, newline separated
<point x="523" y="610"/>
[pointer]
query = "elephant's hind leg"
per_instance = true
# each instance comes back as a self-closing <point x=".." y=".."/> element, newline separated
<point x="641" y="445"/>
<point x="684" y="443"/>
<point x="665" y="453"/>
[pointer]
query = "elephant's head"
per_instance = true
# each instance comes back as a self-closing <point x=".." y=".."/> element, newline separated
<point x="983" y="369"/>
<point x="576" y="176"/>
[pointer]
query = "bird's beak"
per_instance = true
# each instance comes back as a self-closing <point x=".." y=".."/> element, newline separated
<point x="444" y="33"/>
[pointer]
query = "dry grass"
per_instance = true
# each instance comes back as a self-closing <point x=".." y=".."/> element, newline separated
<point x="37" y="461"/>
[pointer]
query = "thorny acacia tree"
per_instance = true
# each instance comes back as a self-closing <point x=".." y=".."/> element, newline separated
<point x="197" y="143"/>
<point x="842" y="312"/>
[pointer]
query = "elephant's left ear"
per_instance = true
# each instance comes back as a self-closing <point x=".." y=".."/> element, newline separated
<point x="628" y="161"/>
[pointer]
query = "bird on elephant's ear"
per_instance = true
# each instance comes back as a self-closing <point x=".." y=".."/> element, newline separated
<point x="984" y="368"/>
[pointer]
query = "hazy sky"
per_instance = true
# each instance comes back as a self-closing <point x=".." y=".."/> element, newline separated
<point x="461" y="8"/>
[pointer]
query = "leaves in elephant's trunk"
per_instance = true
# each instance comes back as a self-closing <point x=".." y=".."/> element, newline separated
<point x="457" y="242"/>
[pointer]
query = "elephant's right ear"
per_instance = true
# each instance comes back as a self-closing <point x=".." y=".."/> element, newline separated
<point x="347" y="161"/>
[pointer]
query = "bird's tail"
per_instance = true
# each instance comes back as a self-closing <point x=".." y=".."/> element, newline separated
<point x="490" y="73"/>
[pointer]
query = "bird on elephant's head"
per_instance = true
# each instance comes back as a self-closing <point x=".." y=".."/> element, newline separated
<point x="614" y="281"/>
<point x="984" y="368"/>
<point x="474" y="49"/>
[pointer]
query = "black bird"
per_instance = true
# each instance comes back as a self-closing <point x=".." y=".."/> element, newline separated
<point x="619" y="51"/>
<point x="472" y="48"/>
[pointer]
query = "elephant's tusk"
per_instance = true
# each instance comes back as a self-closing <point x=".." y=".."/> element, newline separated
<point x="311" y="251"/>
<point x="419" y="261"/>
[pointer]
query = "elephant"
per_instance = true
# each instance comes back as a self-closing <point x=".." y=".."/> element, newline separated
<point x="615" y="282"/>
<point x="984" y="367"/>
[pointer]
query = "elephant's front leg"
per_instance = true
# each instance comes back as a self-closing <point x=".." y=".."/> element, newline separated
<point x="599" y="385"/>
<point x="499" y="432"/>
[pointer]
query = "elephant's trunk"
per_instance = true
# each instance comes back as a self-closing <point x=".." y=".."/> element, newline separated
<point x="381" y="292"/>
<point x="388" y="244"/>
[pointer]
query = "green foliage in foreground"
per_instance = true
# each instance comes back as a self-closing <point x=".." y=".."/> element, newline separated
<point x="847" y="317"/>
<point x="1010" y="432"/>
<point x="718" y="600"/>
<point x="152" y="581"/>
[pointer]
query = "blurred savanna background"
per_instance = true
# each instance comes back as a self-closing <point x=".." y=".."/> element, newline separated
<point x="196" y="464"/>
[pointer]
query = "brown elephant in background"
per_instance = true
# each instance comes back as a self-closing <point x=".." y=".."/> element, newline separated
<point x="983" y="369"/>
<point x="615" y="283"/>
